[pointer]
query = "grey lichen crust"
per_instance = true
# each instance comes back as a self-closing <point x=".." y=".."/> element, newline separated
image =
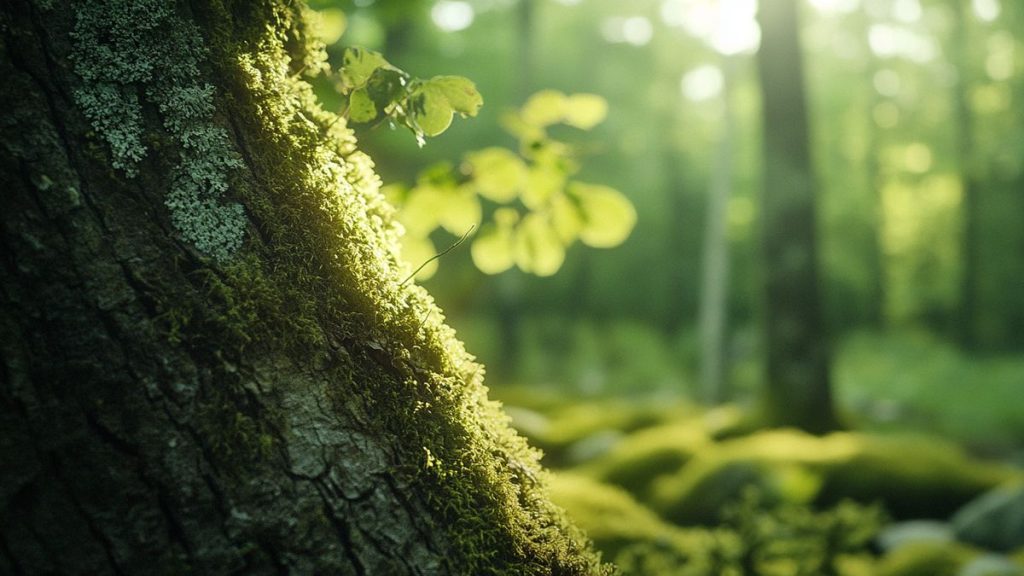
<point x="129" y="49"/>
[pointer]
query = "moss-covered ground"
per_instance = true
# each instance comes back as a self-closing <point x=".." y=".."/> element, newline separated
<point x="665" y="487"/>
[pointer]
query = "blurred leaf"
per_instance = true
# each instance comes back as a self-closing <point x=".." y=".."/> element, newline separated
<point x="585" y="110"/>
<point x="514" y="125"/>
<point x="498" y="173"/>
<point x="415" y="251"/>
<point x="506" y="217"/>
<point x="542" y="182"/>
<point x="461" y="210"/>
<point x="422" y="209"/>
<point x="331" y="23"/>
<point x="538" y="249"/>
<point x="492" y="249"/>
<point x="360" y="107"/>
<point x="566" y="218"/>
<point x="608" y="216"/>
<point x="544" y="108"/>
<point x="358" y="64"/>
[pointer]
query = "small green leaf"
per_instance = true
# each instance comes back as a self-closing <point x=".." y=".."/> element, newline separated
<point x="460" y="93"/>
<point x="360" y="107"/>
<point x="358" y="64"/>
<point x="492" y="249"/>
<point x="538" y="249"/>
<point x="544" y="108"/>
<point x="585" y="111"/>
<point x="497" y="173"/>
<point x="608" y="217"/>
<point x="431" y="112"/>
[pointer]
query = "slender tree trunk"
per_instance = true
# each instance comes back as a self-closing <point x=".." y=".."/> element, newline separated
<point x="798" y="388"/>
<point x="714" y="312"/>
<point x="287" y="407"/>
<point x="876" y="311"/>
<point x="967" y="308"/>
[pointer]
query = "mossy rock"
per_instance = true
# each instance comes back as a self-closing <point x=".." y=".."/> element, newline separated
<point x="913" y="476"/>
<point x="631" y="535"/>
<point x="927" y="559"/>
<point x="642" y="457"/>
<point x="571" y="424"/>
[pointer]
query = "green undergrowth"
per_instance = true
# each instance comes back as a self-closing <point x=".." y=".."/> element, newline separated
<point x="319" y="277"/>
<point x="912" y="380"/>
<point x="753" y="539"/>
<point x="913" y="476"/>
<point x="707" y="493"/>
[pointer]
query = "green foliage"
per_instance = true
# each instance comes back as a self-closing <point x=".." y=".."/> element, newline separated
<point x="912" y="380"/>
<point x="754" y="539"/>
<point x="537" y="210"/>
<point x="377" y="90"/>
<point x="914" y="476"/>
<point x="927" y="559"/>
<point x="124" y="47"/>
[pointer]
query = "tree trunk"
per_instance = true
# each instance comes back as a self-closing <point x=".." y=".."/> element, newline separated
<point x="234" y="384"/>
<point x="798" y="388"/>
<point x="714" y="297"/>
<point x="967" y="308"/>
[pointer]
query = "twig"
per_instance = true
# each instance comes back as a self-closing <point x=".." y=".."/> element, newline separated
<point x="439" y="254"/>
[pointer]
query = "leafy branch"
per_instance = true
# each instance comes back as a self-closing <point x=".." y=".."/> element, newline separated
<point x="378" y="91"/>
<point x="536" y="209"/>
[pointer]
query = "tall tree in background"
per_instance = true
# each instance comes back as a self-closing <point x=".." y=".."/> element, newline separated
<point x="961" y="50"/>
<point x="798" y="387"/>
<point x="714" y="295"/>
<point x="209" y="362"/>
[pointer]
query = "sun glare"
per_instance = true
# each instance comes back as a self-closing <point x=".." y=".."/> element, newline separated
<point x="452" y="15"/>
<point x="729" y="26"/>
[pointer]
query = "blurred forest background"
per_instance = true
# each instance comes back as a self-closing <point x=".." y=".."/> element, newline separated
<point x="642" y="370"/>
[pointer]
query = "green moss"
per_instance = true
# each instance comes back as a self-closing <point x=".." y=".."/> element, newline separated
<point x="926" y="559"/>
<point x="634" y="537"/>
<point x="915" y="477"/>
<point x="642" y="457"/>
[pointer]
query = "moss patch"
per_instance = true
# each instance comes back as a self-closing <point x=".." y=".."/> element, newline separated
<point x="913" y="476"/>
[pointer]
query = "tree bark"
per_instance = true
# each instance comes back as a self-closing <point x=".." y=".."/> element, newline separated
<point x="798" y="387"/>
<point x="289" y="408"/>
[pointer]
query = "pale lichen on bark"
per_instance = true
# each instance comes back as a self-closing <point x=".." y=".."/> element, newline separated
<point x="130" y="51"/>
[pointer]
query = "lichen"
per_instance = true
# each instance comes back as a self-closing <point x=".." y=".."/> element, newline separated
<point x="124" y="48"/>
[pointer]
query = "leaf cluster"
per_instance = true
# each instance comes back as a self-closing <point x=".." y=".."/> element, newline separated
<point x="377" y="91"/>
<point x="536" y="209"/>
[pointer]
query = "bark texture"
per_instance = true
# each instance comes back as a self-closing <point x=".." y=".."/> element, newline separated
<point x="286" y="407"/>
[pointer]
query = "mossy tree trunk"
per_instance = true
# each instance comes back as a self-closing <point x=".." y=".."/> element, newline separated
<point x="209" y="361"/>
<point x="798" y="387"/>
